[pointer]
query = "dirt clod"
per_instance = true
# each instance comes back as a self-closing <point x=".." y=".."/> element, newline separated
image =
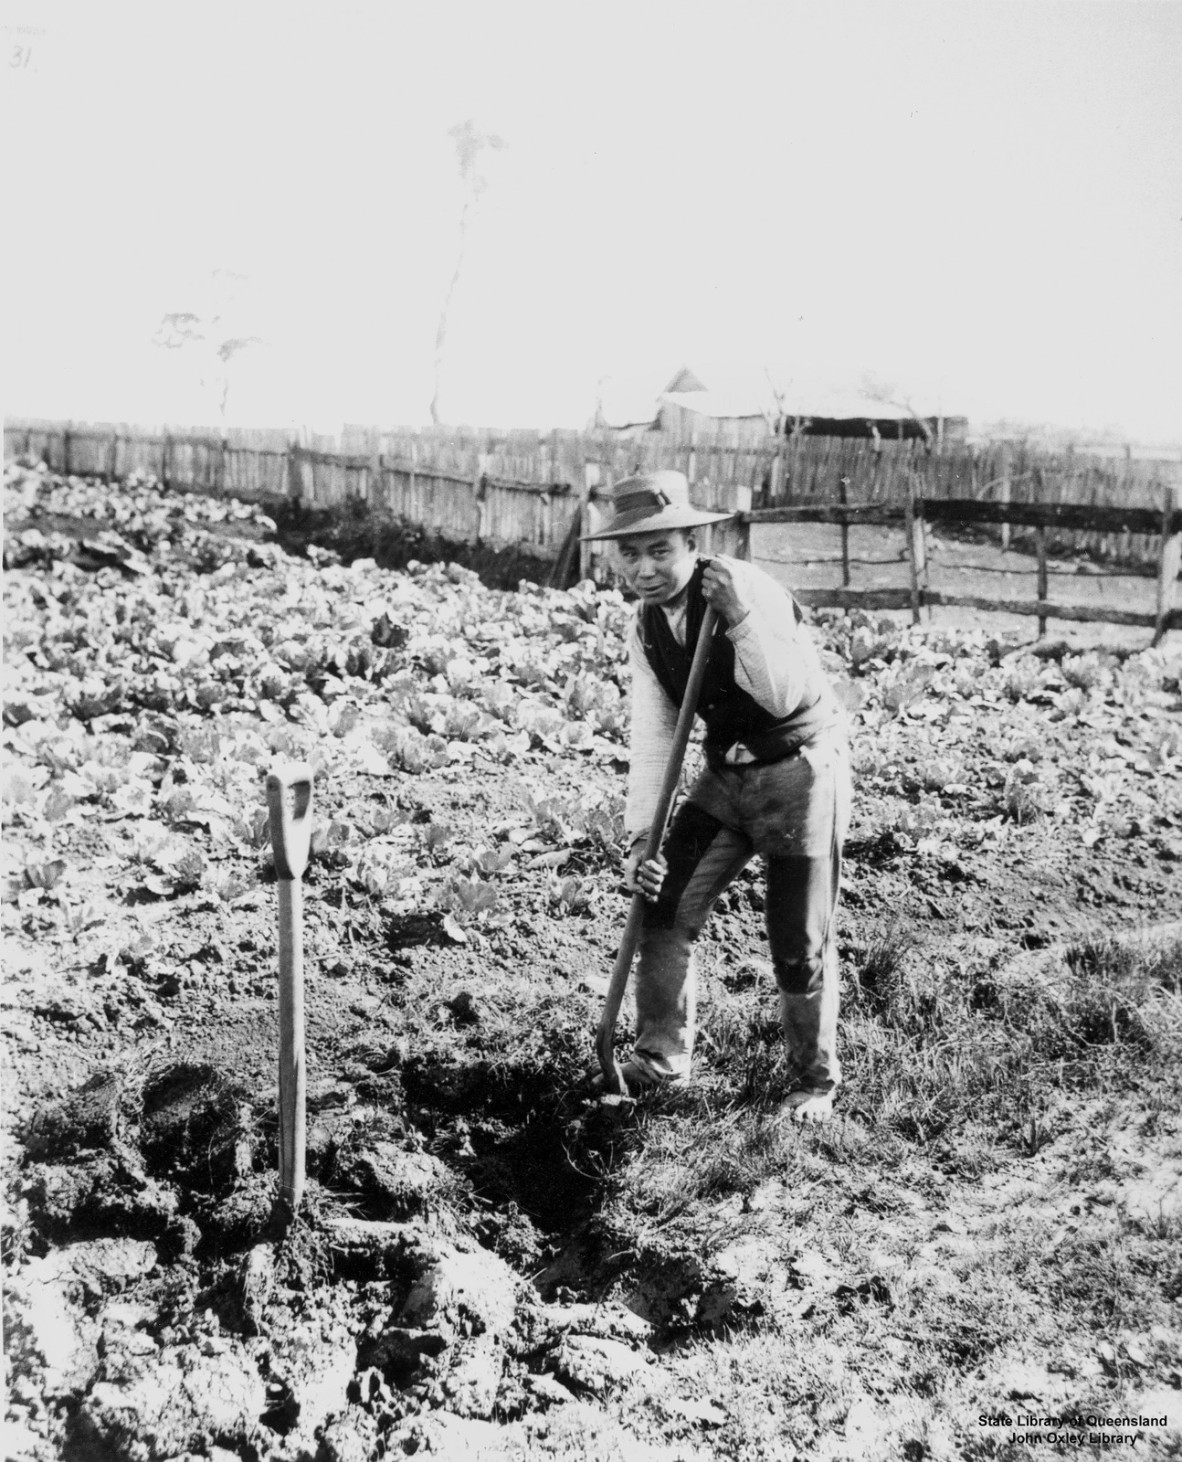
<point x="487" y="1261"/>
<point x="591" y="1363"/>
<point x="88" y="1119"/>
<point x="181" y="1401"/>
<point x="462" y="1292"/>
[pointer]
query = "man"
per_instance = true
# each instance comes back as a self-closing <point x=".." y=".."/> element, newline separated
<point x="776" y="783"/>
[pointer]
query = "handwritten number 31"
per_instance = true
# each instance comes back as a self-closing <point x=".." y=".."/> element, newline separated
<point x="20" y="57"/>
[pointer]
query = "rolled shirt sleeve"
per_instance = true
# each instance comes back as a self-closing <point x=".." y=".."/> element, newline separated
<point x="774" y="660"/>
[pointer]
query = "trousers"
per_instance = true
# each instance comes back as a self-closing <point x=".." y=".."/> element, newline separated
<point x="794" y="813"/>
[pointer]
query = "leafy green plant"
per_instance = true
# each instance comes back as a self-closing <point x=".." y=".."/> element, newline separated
<point x="572" y="895"/>
<point x="1023" y="683"/>
<point x="903" y="687"/>
<point x="941" y="772"/>
<point x="1024" y="799"/>
<point x="469" y="900"/>
<point x="434" y="839"/>
<point x="418" y="713"/>
<point x="45" y="875"/>
<point x="411" y="752"/>
<point x="500" y="699"/>
<point x="253" y="831"/>
<point x="487" y="862"/>
<point x="1085" y="672"/>
<point x="461" y="721"/>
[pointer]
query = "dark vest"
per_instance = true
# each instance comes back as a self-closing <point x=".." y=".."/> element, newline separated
<point x="731" y="714"/>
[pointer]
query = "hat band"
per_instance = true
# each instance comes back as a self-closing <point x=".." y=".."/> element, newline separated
<point x="647" y="500"/>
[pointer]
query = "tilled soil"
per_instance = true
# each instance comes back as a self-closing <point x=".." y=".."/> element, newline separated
<point x="460" y="1276"/>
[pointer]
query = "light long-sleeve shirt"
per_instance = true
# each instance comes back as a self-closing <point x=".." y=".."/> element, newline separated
<point x="776" y="663"/>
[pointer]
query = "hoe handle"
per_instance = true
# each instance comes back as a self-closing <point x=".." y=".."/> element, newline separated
<point x="605" y="1038"/>
<point x="289" y="800"/>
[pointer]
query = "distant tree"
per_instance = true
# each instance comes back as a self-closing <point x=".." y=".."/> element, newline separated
<point x="208" y="337"/>
<point x="774" y="417"/>
<point x="471" y="146"/>
<point x="890" y="395"/>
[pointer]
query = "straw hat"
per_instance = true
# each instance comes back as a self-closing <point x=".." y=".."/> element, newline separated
<point x="652" y="501"/>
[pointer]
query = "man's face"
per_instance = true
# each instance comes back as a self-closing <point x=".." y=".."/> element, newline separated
<point x="658" y="566"/>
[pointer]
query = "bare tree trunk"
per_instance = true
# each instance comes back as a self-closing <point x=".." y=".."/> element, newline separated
<point x="445" y="313"/>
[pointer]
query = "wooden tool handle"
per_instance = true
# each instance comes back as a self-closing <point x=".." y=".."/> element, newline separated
<point x="292" y="1066"/>
<point x="289" y="800"/>
<point x="605" y="1037"/>
<point x="681" y="733"/>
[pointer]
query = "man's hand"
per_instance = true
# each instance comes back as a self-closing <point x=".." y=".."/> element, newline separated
<point x="719" y="587"/>
<point x="642" y="877"/>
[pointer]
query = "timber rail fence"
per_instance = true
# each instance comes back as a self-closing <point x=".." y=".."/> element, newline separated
<point x="1165" y="523"/>
<point x="540" y="492"/>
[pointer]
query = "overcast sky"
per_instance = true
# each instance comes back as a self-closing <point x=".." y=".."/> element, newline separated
<point x="981" y="204"/>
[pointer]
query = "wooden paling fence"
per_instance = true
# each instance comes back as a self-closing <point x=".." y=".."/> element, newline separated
<point x="781" y="470"/>
<point x="539" y="492"/>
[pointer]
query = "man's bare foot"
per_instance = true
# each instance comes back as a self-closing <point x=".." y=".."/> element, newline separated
<point x="808" y="1106"/>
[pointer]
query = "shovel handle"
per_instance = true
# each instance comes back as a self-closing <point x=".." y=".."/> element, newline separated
<point x="605" y="1037"/>
<point x="289" y="800"/>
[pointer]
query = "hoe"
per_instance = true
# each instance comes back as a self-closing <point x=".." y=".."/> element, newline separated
<point x="605" y="1039"/>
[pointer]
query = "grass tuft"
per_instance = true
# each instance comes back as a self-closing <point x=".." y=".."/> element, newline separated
<point x="929" y="1058"/>
<point x="883" y="960"/>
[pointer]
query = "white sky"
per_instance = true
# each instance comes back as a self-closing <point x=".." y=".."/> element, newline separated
<point x="979" y="202"/>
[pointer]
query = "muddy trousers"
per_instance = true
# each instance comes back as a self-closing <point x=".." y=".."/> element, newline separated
<point x="795" y="814"/>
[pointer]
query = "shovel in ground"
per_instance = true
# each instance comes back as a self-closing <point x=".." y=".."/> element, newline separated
<point x="605" y="1039"/>
<point x="289" y="801"/>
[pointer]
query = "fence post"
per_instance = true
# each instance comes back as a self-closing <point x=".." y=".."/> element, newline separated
<point x="295" y="475"/>
<point x="592" y="473"/>
<point x="66" y="450"/>
<point x="1040" y="548"/>
<point x="373" y="480"/>
<point x="844" y="492"/>
<point x="776" y="484"/>
<point x="916" y="545"/>
<point x="480" y="494"/>
<point x="374" y="495"/>
<point x="1006" y="487"/>
<point x="1169" y="562"/>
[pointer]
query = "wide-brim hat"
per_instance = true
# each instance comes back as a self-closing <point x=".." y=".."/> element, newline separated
<point x="650" y="502"/>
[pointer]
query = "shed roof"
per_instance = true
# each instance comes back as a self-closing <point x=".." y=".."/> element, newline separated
<point x="718" y="405"/>
<point x="746" y="396"/>
<point x="625" y="403"/>
<point x="839" y="405"/>
<point x="824" y="402"/>
<point x="684" y="380"/>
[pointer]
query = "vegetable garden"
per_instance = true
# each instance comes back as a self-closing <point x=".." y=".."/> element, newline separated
<point x="489" y="1259"/>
